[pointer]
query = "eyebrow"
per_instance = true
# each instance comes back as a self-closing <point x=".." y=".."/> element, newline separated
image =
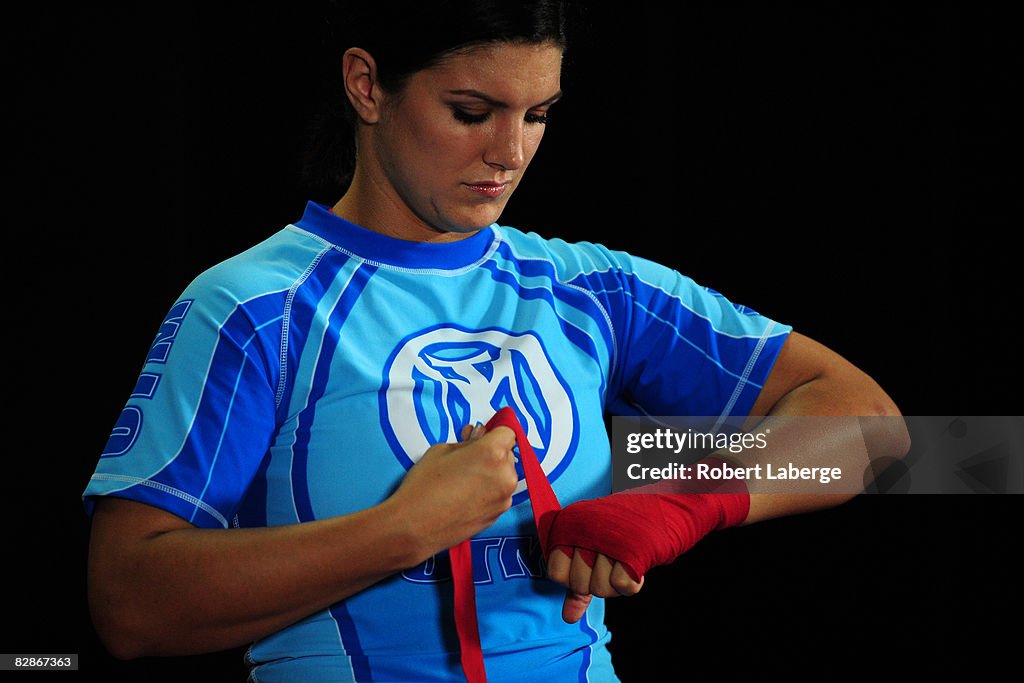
<point x="498" y="104"/>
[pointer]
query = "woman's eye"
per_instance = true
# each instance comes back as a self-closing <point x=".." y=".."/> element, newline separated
<point x="467" y="118"/>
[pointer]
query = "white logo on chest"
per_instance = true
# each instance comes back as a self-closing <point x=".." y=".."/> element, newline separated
<point x="444" y="378"/>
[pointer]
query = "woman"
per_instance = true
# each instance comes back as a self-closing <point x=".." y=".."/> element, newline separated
<point x="288" y="470"/>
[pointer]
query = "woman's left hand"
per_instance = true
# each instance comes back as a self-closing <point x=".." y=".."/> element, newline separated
<point x="605" y="579"/>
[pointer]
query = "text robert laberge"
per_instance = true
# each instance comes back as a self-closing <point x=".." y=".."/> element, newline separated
<point x="723" y="471"/>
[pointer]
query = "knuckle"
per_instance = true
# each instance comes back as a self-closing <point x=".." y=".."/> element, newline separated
<point x="620" y="584"/>
<point x="505" y="437"/>
<point x="623" y="585"/>
<point x="498" y="454"/>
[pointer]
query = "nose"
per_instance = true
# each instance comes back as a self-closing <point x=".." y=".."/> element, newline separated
<point x="505" y="149"/>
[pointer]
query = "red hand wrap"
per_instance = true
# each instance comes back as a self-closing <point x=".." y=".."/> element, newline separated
<point x="641" y="528"/>
<point x="545" y="507"/>
<point x="648" y="526"/>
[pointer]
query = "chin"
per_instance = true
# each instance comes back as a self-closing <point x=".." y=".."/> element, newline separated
<point x="472" y="221"/>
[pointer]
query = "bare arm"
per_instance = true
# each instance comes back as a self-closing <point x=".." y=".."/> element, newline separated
<point x="808" y="379"/>
<point x="159" y="586"/>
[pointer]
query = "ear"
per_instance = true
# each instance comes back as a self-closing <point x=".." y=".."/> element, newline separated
<point x="359" y="72"/>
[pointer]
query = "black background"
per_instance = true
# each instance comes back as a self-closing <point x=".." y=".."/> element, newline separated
<point x="844" y="167"/>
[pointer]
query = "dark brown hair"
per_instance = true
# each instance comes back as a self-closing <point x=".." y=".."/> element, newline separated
<point x="403" y="40"/>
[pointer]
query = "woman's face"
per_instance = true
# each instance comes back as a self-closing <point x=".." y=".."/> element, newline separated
<point x="452" y="146"/>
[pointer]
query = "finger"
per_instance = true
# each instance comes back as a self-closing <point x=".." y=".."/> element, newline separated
<point x="558" y="567"/>
<point x="467" y="431"/>
<point x="574" y="607"/>
<point x="600" y="578"/>
<point x="502" y="436"/>
<point x="498" y="444"/>
<point x="579" y="574"/>
<point x="622" y="582"/>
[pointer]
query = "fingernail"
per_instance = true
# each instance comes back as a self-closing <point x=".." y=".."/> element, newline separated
<point x="477" y="432"/>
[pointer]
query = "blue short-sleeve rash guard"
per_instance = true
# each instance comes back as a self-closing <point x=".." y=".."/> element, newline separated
<point x="302" y="379"/>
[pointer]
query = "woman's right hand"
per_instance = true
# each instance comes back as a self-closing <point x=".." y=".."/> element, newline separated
<point x="457" y="490"/>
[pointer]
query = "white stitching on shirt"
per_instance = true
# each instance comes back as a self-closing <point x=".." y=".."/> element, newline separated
<point x="189" y="498"/>
<point x="286" y="323"/>
<point x="743" y="378"/>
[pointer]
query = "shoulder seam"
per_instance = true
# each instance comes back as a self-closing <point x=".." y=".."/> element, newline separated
<point x="282" y="379"/>
<point x="745" y="377"/>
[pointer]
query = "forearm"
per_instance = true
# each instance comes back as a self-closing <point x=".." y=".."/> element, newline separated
<point x="188" y="590"/>
<point x="159" y="586"/>
<point x="815" y="410"/>
<point x="819" y="425"/>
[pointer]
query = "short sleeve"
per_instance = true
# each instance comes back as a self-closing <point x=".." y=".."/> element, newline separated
<point x="195" y="429"/>
<point x="685" y="349"/>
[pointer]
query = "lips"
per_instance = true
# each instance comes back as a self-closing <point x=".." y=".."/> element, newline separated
<point x="488" y="189"/>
